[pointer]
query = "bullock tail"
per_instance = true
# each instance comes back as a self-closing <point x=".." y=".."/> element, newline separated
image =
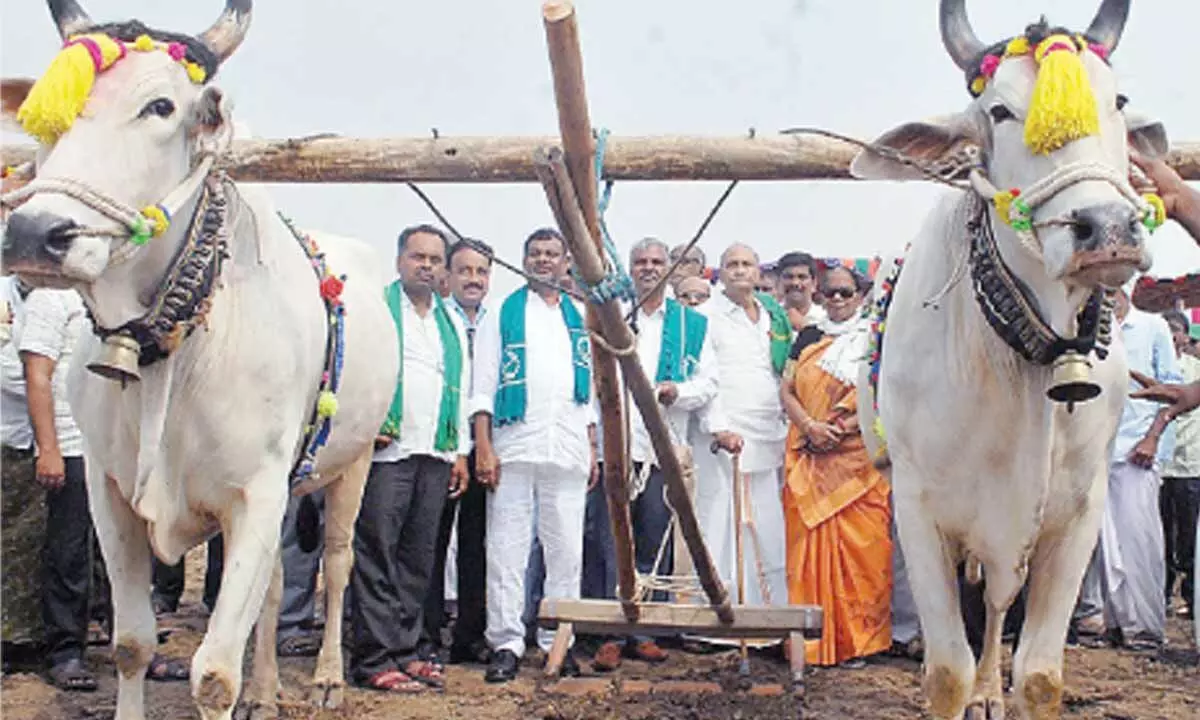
<point x="973" y="570"/>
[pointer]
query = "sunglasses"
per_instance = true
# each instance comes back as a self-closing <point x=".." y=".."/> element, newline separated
<point x="843" y="293"/>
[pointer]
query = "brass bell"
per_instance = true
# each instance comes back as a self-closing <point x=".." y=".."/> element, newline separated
<point x="1072" y="379"/>
<point x="118" y="360"/>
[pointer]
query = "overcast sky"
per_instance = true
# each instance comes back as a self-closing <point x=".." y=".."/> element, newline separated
<point x="479" y="67"/>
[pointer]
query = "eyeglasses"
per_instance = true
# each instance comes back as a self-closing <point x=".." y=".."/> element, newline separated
<point x="843" y="293"/>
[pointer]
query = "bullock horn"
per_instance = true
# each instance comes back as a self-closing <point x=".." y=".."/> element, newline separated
<point x="1109" y="23"/>
<point x="958" y="37"/>
<point x="70" y="18"/>
<point x="227" y="33"/>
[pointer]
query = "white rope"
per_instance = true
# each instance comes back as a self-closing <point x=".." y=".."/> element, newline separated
<point x="1050" y="186"/>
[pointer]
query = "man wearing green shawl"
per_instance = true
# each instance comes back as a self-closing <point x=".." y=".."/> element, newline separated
<point x="673" y="348"/>
<point x="420" y="460"/>
<point x="751" y="337"/>
<point x="534" y="445"/>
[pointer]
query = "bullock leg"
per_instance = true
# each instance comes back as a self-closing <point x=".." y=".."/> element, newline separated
<point x="1055" y="573"/>
<point x="342" y="500"/>
<point x="949" y="664"/>
<point x="987" y="702"/>
<point x="261" y="699"/>
<point x="126" y="549"/>
<point x="252" y="551"/>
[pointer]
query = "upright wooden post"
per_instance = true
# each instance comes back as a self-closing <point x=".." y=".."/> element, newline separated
<point x="566" y="63"/>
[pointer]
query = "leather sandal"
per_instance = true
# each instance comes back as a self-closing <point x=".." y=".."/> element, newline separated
<point x="427" y="673"/>
<point x="393" y="681"/>
<point x="72" y="676"/>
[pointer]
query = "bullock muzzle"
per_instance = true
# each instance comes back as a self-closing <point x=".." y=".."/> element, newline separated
<point x="35" y="245"/>
<point x="1109" y="244"/>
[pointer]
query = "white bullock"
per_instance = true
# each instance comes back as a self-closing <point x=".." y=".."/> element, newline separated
<point x="207" y="439"/>
<point x="986" y="318"/>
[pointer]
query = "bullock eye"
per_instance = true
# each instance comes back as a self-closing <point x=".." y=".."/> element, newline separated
<point x="1000" y="113"/>
<point x="162" y="107"/>
<point x="1122" y="101"/>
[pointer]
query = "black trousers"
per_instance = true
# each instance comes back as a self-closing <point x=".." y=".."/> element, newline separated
<point x="67" y="566"/>
<point x="395" y="541"/>
<point x="1179" y="504"/>
<point x="471" y="564"/>
<point x="168" y="579"/>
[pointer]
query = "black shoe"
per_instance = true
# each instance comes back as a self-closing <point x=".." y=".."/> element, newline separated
<point x="477" y="653"/>
<point x="570" y="666"/>
<point x="502" y="668"/>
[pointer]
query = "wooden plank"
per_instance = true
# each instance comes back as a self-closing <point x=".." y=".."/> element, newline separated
<point x="753" y="621"/>
<point x="332" y="159"/>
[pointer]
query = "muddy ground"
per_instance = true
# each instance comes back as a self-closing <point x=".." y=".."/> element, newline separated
<point x="1101" y="685"/>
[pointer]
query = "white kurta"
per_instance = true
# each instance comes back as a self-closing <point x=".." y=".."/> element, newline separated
<point x="424" y="369"/>
<point x="544" y="465"/>
<point x="748" y="404"/>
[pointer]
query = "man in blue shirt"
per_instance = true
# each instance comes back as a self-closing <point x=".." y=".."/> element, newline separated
<point x="1123" y="590"/>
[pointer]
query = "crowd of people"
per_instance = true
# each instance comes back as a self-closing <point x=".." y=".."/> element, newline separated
<point x="492" y="445"/>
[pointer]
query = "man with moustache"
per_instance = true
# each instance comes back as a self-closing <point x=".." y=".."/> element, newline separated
<point x="751" y="337"/>
<point x="673" y="348"/>
<point x="420" y="456"/>
<point x="535" y="447"/>
<point x="798" y="283"/>
<point x="469" y="278"/>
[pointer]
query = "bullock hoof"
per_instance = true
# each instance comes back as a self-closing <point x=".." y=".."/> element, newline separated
<point x="985" y="709"/>
<point x="327" y="695"/>
<point x="215" y="692"/>
<point x="256" y="710"/>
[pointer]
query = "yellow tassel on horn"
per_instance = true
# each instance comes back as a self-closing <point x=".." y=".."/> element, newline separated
<point x="1063" y="107"/>
<point x="59" y="96"/>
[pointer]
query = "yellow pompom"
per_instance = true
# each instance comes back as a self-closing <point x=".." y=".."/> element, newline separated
<point x="877" y="427"/>
<point x="1160" y="211"/>
<point x="61" y="94"/>
<point x="143" y="43"/>
<point x="978" y="85"/>
<point x="1017" y="46"/>
<point x="158" y="219"/>
<point x="1063" y="106"/>
<point x="327" y="404"/>
<point x="1003" y="202"/>
<point x="195" y="73"/>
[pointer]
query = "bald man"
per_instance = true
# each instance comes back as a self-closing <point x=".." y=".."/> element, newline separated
<point x="750" y="334"/>
<point x="693" y="291"/>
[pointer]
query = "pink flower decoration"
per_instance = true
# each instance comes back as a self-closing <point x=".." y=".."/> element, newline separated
<point x="1099" y="50"/>
<point x="987" y="67"/>
<point x="177" y="51"/>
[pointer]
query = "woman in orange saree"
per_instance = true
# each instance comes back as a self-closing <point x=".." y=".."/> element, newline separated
<point x="836" y="506"/>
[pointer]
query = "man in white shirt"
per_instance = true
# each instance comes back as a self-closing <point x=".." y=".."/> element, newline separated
<point x="798" y="283"/>
<point x="51" y="323"/>
<point x="535" y="445"/>
<point x="750" y="336"/>
<point x="469" y="277"/>
<point x="673" y="348"/>
<point x="1179" y="502"/>
<point x="420" y="457"/>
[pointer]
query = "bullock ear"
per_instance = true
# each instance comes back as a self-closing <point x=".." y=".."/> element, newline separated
<point x="929" y="142"/>
<point x="211" y="119"/>
<point x="12" y="94"/>
<point x="1147" y="135"/>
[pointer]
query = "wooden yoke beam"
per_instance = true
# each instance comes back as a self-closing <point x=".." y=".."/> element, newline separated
<point x="576" y="214"/>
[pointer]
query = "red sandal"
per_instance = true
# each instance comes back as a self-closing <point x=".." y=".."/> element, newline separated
<point x="393" y="681"/>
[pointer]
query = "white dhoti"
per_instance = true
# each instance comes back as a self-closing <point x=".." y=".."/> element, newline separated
<point x="714" y="513"/>
<point x="1128" y="569"/>
<point x="555" y="497"/>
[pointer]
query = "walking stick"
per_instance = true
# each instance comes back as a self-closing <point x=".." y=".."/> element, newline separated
<point x="739" y="524"/>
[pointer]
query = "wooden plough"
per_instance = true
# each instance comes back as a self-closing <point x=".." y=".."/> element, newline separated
<point x="569" y="179"/>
